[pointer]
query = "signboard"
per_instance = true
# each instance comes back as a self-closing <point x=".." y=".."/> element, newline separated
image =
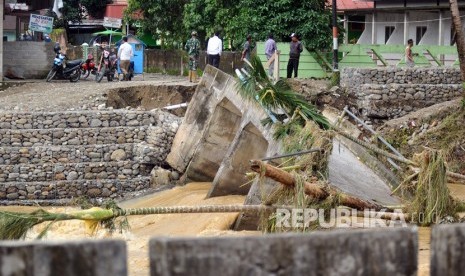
<point x="111" y="22"/>
<point x="40" y="23"/>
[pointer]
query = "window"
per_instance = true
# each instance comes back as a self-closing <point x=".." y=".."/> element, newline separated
<point x="388" y="30"/>
<point x="421" y="30"/>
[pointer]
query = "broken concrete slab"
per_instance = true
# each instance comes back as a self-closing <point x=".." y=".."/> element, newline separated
<point x="358" y="252"/>
<point x="447" y="247"/>
<point x="220" y="133"/>
<point x="93" y="258"/>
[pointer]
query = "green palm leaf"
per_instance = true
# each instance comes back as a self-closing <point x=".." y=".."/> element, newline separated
<point x="256" y="86"/>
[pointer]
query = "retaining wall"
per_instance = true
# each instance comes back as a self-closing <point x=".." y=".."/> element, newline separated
<point x="52" y="192"/>
<point x="386" y="93"/>
<point x="61" y="155"/>
<point x="78" y="119"/>
<point x="28" y="59"/>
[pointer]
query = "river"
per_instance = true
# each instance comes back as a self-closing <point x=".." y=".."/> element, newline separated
<point x="198" y="225"/>
<point x="145" y="227"/>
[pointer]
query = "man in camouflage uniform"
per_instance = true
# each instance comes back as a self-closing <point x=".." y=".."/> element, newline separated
<point x="193" y="50"/>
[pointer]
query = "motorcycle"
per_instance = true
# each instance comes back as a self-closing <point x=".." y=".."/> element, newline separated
<point x="64" y="69"/>
<point x="88" y="67"/>
<point x="107" y="66"/>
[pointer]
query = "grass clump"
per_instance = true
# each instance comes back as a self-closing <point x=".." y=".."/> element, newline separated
<point x="431" y="200"/>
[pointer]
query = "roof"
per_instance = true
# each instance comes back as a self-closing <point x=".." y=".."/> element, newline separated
<point x="351" y="5"/>
<point x="115" y="10"/>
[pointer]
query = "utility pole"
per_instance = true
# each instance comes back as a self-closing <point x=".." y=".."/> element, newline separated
<point x="335" y="34"/>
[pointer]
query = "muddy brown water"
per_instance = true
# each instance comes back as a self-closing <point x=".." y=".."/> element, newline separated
<point x="178" y="225"/>
<point x="145" y="227"/>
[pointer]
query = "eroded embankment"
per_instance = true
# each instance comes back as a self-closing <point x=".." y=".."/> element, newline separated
<point x="150" y="97"/>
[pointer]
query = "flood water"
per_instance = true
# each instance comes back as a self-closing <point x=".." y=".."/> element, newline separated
<point x="197" y="225"/>
<point x="145" y="227"/>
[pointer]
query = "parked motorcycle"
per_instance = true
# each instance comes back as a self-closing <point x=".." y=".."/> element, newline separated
<point x="88" y="67"/>
<point x="107" y="66"/>
<point x="64" y="69"/>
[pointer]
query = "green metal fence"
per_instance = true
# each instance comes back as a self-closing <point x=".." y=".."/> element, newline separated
<point x="316" y="64"/>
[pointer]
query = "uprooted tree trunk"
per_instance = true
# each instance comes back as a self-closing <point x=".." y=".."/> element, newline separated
<point x="311" y="189"/>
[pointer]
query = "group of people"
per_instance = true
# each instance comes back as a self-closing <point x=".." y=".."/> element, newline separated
<point x="214" y="50"/>
<point x="215" y="47"/>
<point x="124" y="55"/>
<point x="295" y="48"/>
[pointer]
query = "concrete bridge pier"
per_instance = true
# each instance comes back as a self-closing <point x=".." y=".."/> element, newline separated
<point x="220" y="133"/>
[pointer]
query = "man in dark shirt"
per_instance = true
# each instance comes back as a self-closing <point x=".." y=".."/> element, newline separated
<point x="247" y="49"/>
<point x="294" y="55"/>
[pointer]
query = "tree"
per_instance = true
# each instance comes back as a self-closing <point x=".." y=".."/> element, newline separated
<point x="95" y="8"/>
<point x="207" y="16"/>
<point x="460" y="38"/>
<point x="72" y="11"/>
<point x="161" y="18"/>
<point x="173" y="20"/>
<point x="309" y="19"/>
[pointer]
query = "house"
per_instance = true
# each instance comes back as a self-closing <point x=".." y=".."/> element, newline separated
<point x="427" y="22"/>
<point x="354" y="13"/>
<point x="16" y="16"/>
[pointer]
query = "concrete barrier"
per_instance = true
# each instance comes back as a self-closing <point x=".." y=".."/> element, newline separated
<point x="447" y="250"/>
<point x="77" y="258"/>
<point x="358" y="252"/>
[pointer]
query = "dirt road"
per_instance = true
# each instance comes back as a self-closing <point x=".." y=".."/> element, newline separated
<point x="38" y="95"/>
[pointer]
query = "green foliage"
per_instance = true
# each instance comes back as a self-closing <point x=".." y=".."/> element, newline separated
<point x="335" y="78"/>
<point x="173" y="20"/>
<point x="309" y="19"/>
<point x="258" y="88"/>
<point x="72" y="11"/>
<point x="173" y="72"/>
<point x="206" y="17"/>
<point x="14" y="226"/>
<point x="95" y="8"/>
<point x="161" y="17"/>
<point x="154" y="70"/>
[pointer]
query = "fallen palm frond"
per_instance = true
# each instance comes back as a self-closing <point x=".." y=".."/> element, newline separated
<point x="14" y="225"/>
<point x="257" y="87"/>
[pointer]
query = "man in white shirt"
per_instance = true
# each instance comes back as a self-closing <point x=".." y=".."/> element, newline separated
<point x="124" y="55"/>
<point x="214" y="49"/>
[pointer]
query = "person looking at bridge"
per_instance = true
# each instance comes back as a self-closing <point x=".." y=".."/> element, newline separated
<point x="214" y="49"/>
<point x="294" y="56"/>
<point x="270" y="48"/>
<point x="193" y="51"/>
